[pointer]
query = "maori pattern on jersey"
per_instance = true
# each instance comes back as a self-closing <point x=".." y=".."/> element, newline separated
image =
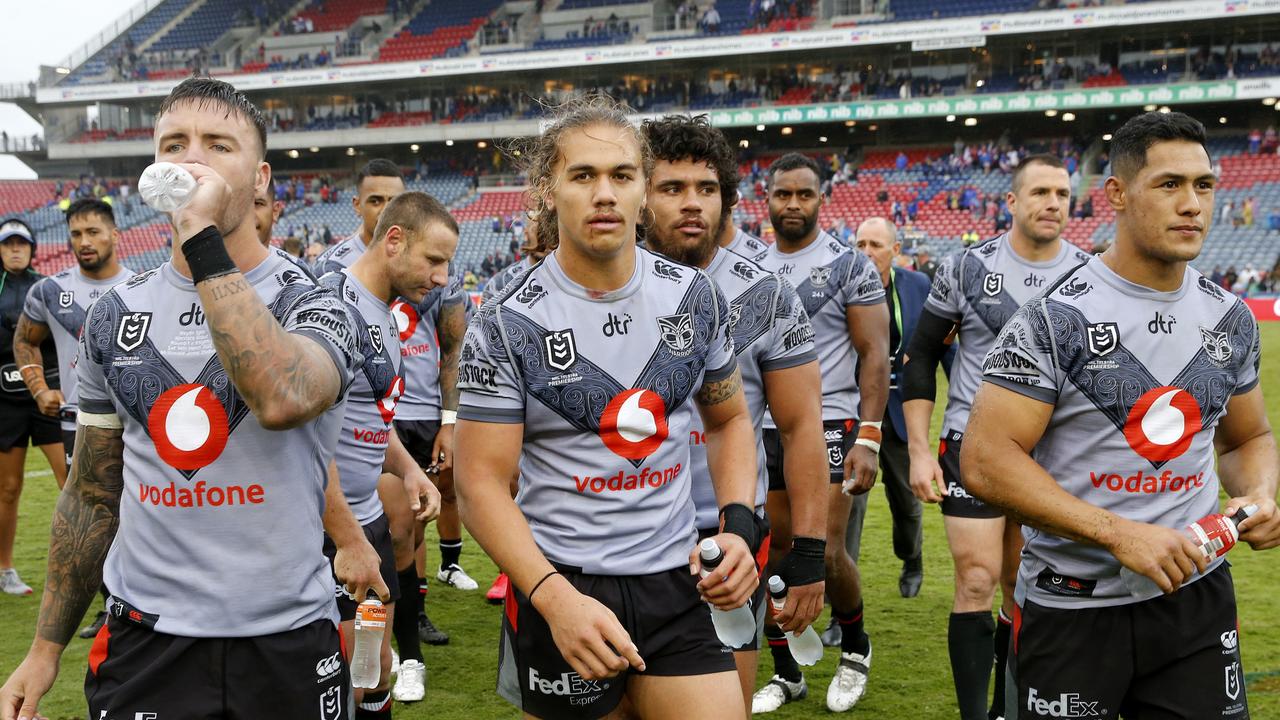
<point x="380" y="375"/>
<point x="71" y="317"/>
<point x="1115" y="390"/>
<point x="815" y="295"/>
<point x="752" y="313"/>
<point x="518" y="339"/>
<point x="993" y="309"/>
<point x="137" y="386"/>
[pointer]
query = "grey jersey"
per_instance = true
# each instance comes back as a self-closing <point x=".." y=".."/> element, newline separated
<point x="420" y="346"/>
<point x="371" y="401"/>
<point x="505" y="276"/>
<point x="220" y="519"/>
<point x="1138" y="380"/>
<point x="770" y="331"/>
<point x="979" y="289"/>
<point x="829" y="277"/>
<point x="60" y="303"/>
<point x="748" y="246"/>
<point x="342" y="255"/>
<point x="604" y="385"/>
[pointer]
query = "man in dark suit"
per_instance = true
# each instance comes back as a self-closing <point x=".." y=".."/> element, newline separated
<point x="906" y="290"/>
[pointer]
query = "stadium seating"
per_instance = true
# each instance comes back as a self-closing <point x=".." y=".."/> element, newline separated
<point x="206" y="24"/>
<point x="437" y="29"/>
<point x="149" y="25"/>
<point x="338" y="15"/>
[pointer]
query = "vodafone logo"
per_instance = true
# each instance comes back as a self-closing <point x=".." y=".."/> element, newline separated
<point x="406" y="317"/>
<point x="188" y="426"/>
<point x="387" y="405"/>
<point x="1161" y="424"/>
<point x="634" y="423"/>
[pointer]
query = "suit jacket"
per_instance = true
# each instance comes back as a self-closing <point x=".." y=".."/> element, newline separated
<point x="911" y="289"/>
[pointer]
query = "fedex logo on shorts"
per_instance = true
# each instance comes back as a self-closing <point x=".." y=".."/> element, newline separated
<point x="1066" y="705"/>
<point x="570" y="683"/>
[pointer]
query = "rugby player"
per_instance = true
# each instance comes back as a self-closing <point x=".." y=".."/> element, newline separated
<point x="377" y="183"/>
<point x="56" y="306"/>
<point x="600" y="544"/>
<point x="266" y="212"/>
<point x="841" y="292"/>
<point x="691" y="194"/>
<point x="1106" y="401"/>
<point x="975" y="292"/>
<point x="210" y="395"/>
<point x="413" y="242"/>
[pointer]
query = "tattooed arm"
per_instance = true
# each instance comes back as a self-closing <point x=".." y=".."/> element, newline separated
<point x="285" y="378"/>
<point x="84" y="524"/>
<point x="26" y="352"/>
<point x="452" y="325"/>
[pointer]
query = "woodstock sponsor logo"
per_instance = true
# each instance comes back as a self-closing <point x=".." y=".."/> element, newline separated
<point x="646" y="478"/>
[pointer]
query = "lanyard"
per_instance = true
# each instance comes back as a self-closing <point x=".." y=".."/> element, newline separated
<point x="897" y="313"/>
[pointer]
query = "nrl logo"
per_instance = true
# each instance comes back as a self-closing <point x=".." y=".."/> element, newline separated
<point x="66" y="298"/>
<point x="133" y="330"/>
<point x="562" y="351"/>
<point x="819" y="276"/>
<point x="1103" y="338"/>
<point x="1216" y="345"/>
<point x="676" y="332"/>
<point x="992" y="284"/>
<point x="375" y="338"/>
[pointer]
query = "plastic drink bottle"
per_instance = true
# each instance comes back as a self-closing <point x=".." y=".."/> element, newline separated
<point x="366" y="661"/>
<point x="806" y="647"/>
<point x="736" y="627"/>
<point x="1213" y="534"/>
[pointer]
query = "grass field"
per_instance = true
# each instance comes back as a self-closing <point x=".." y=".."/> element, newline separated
<point x="910" y="679"/>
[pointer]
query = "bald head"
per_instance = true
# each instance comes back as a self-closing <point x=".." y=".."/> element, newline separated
<point x="877" y="238"/>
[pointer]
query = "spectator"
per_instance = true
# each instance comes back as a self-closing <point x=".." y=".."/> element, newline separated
<point x="1255" y="141"/>
<point x="900" y="162"/>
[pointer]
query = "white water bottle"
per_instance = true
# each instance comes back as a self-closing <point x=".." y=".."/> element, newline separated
<point x="1213" y="534"/>
<point x="736" y="627"/>
<point x="806" y="647"/>
<point x="366" y="661"/>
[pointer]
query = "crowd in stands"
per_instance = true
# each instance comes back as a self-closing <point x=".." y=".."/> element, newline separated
<point x="1249" y="280"/>
<point x="1263" y="142"/>
<point x="769" y="14"/>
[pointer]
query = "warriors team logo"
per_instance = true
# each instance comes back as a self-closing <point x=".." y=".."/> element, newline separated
<point x="406" y="317"/>
<point x="1103" y="338"/>
<point x="1216" y="345"/>
<point x="133" y="330"/>
<point x="992" y="284"/>
<point x="375" y="338"/>
<point x="676" y="332"/>
<point x="66" y="298"/>
<point x="562" y="351"/>
<point x="387" y="405"/>
<point x="819" y="276"/>
<point x="634" y="424"/>
<point x="1162" y="423"/>
<point x="188" y="426"/>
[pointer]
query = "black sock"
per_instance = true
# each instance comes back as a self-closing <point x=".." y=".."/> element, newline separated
<point x="365" y="709"/>
<point x="1004" y="628"/>
<point x="404" y="626"/>
<point x="853" y="638"/>
<point x="969" y="640"/>
<point x="784" y="666"/>
<point x="450" y="551"/>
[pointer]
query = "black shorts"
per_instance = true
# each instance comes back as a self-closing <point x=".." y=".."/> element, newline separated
<point x="1174" y="656"/>
<point x="661" y="612"/>
<point x="22" y="424"/>
<point x="760" y="598"/>
<point x="840" y="435"/>
<point x="418" y="437"/>
<point x="958" y="502"/>
<point x="299" y="674"/>
<point x="378" y="533"/>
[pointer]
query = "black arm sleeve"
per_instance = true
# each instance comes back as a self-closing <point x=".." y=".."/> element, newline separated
<point x="928" y="345"/>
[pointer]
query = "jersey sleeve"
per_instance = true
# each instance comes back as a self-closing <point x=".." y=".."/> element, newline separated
<point x="944" y="294"/>
<point x="791" y="337"/>
<point x="1021" y="359"/>
<point x="34" y="306"/>
<point x="1248" y="375"/>
<point x="489" y="385"/>
<point x="92" y="393"/>
<point x="863" y="286"/>
<point x="322" y="316"/>
<point x="721" y="360"/>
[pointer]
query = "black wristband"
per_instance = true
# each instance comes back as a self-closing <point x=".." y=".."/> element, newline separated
<point x="741" y="521"/>
<point x="207" y="256"/>
<point x="538" y="584"/>
<point x="806" y="563"/>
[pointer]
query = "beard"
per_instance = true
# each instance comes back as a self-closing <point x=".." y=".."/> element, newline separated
<point x="95" y="264"/>
<point x="785" y="232"/>
<point x="673" y="244"/>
